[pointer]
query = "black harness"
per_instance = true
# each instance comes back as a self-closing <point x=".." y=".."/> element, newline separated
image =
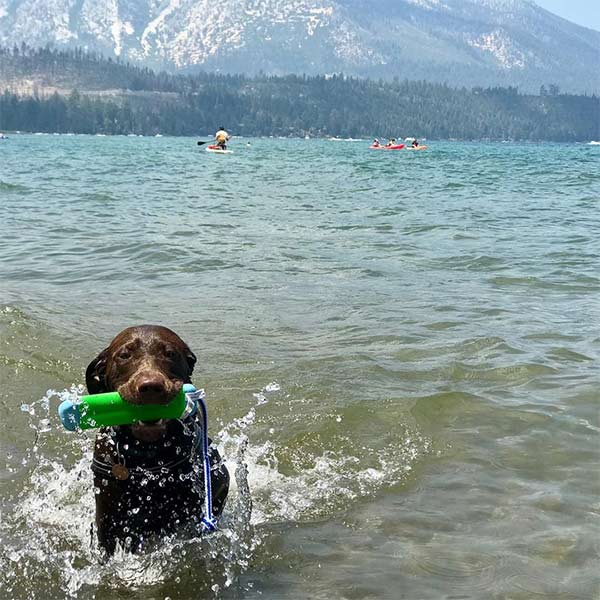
<point x="130" y="458"/>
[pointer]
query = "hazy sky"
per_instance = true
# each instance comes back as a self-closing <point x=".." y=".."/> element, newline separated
<point x="582" y="12"/>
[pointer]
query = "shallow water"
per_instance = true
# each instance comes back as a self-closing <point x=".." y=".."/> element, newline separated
<point x="402" y="349"/>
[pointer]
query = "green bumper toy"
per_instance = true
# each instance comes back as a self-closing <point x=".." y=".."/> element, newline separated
<point x="105" y="410"/>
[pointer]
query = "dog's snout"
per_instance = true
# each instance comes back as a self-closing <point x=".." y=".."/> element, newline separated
<point x="152" y="389"/>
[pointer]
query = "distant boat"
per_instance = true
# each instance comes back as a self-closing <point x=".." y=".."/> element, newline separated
<point x="593" y="143"/>
<point x="3" y="137"/>
<point x="410" y="141"/>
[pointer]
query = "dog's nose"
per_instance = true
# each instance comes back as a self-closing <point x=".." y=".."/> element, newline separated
<point x="152" y="389"/>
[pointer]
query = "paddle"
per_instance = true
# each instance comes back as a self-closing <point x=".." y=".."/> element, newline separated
<point x="200" y="143"/>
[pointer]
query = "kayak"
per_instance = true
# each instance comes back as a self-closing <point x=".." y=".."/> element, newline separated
<point x="217" y="150"/>
<point x="416" y="147"/>
<point x="396" y="147"/>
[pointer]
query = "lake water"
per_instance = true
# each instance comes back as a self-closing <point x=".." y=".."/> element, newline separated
<point x="402" y="348"/>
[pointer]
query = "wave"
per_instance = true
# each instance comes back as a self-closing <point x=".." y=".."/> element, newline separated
<point x="5" y="186"/>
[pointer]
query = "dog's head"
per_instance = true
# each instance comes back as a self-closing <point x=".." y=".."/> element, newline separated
<point x="146" y="364"/>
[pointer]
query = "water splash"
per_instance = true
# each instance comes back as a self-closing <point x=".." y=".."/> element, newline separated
<point x="48" y="525"/>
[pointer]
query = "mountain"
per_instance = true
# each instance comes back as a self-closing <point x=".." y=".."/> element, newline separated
<point x="461" y="42"/>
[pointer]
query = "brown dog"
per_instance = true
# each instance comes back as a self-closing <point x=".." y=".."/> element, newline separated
<point x="149" y="476"/>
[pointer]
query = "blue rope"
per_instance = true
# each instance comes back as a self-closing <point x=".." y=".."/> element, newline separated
<point x="209" y="521"/>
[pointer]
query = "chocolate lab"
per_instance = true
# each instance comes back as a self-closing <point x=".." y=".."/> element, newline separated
<point x="149" y="476"/>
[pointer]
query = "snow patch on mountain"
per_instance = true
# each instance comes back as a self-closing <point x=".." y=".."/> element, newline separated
<point x="500" y="46"/>
<point x="189" y="32"/>
<point x="157" y="23"/>
<point x="47" y="18"/>
<point x="317" y="17"/>
<point x="103" y="22"/>
<point x="349" y="46"/>
<point x="427" y="4"/>
<point x="118" y="28"/>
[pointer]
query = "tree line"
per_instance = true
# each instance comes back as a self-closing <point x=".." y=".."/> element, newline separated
<point x="144" y="102"/>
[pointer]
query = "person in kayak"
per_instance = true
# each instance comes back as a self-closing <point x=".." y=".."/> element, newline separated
<point x="415" y="143"/>
<point x="221" y="138"/>
<point x="391" y="142"/>
<point x="375" y="143"/>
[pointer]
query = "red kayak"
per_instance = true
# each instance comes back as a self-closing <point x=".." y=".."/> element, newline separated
<point x="396" y="147"/>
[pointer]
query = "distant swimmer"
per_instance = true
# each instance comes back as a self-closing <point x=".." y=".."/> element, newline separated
<point x="221" y="138"/>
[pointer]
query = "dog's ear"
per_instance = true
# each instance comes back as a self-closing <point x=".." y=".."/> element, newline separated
<point x="191" y="360"/>
<point x="95" y="374"/>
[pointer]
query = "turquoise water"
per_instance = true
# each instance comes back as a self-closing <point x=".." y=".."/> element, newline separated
<point x="400" y="348"/>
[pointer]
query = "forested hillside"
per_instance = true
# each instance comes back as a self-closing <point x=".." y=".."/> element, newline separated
<point x="72" y="91"/>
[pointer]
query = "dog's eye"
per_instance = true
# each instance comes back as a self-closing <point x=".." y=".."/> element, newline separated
<point x="124" y="354"/>
<point x="170" y="353"/>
